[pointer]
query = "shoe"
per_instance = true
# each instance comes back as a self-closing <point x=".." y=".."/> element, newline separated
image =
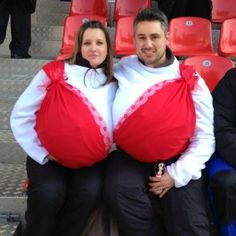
<point x="18" y="56"/>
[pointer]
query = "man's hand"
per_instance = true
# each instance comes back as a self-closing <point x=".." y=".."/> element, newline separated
<point x="160" y="185"/>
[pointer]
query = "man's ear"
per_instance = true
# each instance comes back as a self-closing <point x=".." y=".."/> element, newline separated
<point x="167" y="37"/>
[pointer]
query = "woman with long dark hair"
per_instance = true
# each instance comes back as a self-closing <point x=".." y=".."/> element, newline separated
<point x="63" y="122"/>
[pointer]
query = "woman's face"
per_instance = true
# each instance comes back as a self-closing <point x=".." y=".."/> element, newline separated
<point x="94" y="46"/>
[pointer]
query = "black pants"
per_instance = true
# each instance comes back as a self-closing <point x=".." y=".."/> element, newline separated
<point x="178" y="8"/>
<point x="199" y="8"/>
<point x="173" y="8"/>
<point x="181" y="212"/>
<point x="20" y="25"/>
<point x="60" y="200"/>
<point x="223" y="188"/>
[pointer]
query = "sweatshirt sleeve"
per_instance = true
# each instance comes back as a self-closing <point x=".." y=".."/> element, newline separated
<point x="23" y="118"/>
<point x="202" y="144"/>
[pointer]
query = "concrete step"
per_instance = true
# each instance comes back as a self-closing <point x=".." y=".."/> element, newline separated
<point x="52" y="7"/>
<point x="15" y="75"/>
<point x="48" y="18"/>
<point x="6" y="105"/>
<point x="8" y="225"/>
<point x="12" y="88"/>
<point x="11" y="152"/>
<point x="12" y="195"/>
<point x="42" y="32"/>
<point x="4" y="120"/>
<point x="20" y="68"/>
<point x="46" y="49"/>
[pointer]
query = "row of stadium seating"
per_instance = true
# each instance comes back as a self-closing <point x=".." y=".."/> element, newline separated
<point x="221" y="9"/>
<point x="193" y="36"/>
<point x="189" y="36"/>
<point x="122" y="8"/>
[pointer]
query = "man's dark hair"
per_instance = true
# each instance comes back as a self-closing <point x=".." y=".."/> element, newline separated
<point x="149" y="14"/>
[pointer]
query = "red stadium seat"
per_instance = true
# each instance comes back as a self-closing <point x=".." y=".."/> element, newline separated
<point x="227" y="38"/>
<point x="89" y="7"/>
<point x="125" y="8"/>
<point x="123" y="41"/>
<point x="191" y="36"/>
<point x="71" y="27"/>
<point x="222" y="10"/>
<point x="211" y="68"/>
